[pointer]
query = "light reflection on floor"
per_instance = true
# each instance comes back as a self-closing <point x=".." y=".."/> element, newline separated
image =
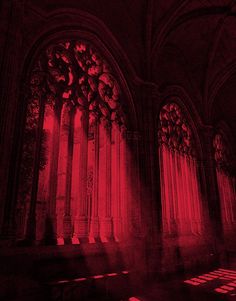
<point x="223" y="281"/>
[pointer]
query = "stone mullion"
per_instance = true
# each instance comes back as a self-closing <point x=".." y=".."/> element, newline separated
<point x="129" y="182"/>
<point x="173" y="185"/>
<point x="31" y="223"/>
<point x="67" y="223"/>
<point x="193" y="200"/>
<point x="51" y="220"/>
<point x="165" y="220"/>
<point x="192" y="193"/>
<point x="108" y="216"/>
<point x="116" y="181"/>
<point x="83" y="166"/>
<point x="200" y="218"/>
<point x="205" y="224"/>
<point x="105" y="169"/>
<point x="190" y="199"/>
<point x="177" y="194"/>
<point x="123" y="183"/>
<point x="94" y="233"/>
<point x="169" y="191"/>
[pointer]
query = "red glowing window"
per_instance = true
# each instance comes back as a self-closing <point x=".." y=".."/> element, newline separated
<point x="226" y="183"/>
<point x="181" y="199"/>
<point x="74" y="183"/>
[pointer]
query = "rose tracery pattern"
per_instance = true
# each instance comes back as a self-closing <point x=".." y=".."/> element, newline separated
<point x="174" y="131"/>
<point x="221" y="152"/>
<point x="74" y="72"/>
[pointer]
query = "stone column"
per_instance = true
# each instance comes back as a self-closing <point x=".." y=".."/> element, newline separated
<point x="105" y="195"/>
<point x="67" y="224"/>
<point x="31" y="223"/>
<point x="82" y="214"/>
<point x="116" y="181"/>
<point x="169" y="189"/>
<point x="94" y="230"/>
<point x="123" y="184"/>
<point x="108" y="218"/>
<point x="51" y="219"/>
<point x="163" y="184"/>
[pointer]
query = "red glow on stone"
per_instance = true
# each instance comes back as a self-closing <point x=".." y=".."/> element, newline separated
<point x="219" y="290"/>
<point x="79" y="279"/>
<point x="205" y="278"/>
<point x="60" y="241"/>
<point x="198" y="280"/>
<point x="84" y="189"/>
<point x="63" y="281"/>
<point x="227" y="271"/>
<point x="226" y="287"/>
<point x="226" y="185"/>
<point x="112" y="274"/>
<point x="97" y="276"/>
<point x="75" y="241"/>
<point x="192" y="282"/>
<point x="181" y="199"/>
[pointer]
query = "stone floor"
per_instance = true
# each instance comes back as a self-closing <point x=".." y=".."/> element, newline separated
<point x="215" y="284"/>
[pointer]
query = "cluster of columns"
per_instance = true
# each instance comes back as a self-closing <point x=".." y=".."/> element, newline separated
<point x="226" y="186"/>
<point x="181" y="200"/>
<point x="84" y="193"/>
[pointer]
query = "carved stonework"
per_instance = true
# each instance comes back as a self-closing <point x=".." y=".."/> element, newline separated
<point x="73" y="103"/>
<point x="74" y="72"/>
<point x="221" y="154"/>
<point x="174" y="131"/>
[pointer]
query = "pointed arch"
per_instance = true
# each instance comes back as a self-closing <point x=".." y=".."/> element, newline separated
<point x="179" y="174"/>
<point x="77" y="105"/>
<point x="226" y="180"/>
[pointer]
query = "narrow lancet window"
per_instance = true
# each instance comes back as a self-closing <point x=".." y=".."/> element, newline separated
<point x="74" y="157"/>
<point x="226" y="184"/>
<point x="180" y="194"/>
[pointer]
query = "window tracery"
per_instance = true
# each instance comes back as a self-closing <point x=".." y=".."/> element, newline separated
<point x="181" y="200"/>
<point x="221" y="153"/>
<point x="174" y="131"/>
<point x="74" y="114"/>
<point x="226" y="183"/>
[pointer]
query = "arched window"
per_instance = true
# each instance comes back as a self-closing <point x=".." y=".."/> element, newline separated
<point x="181" y="202"/>
<point x="73" y="170"/>
<point x="226" y="183"/>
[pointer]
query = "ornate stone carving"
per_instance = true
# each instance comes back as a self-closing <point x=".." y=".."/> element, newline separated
<point x="174" y="131"/>
<point x="74" y="72"/>
<point x="221" y="154"/>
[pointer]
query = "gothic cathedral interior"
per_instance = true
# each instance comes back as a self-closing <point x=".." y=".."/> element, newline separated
<point x="118" y="150"/>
